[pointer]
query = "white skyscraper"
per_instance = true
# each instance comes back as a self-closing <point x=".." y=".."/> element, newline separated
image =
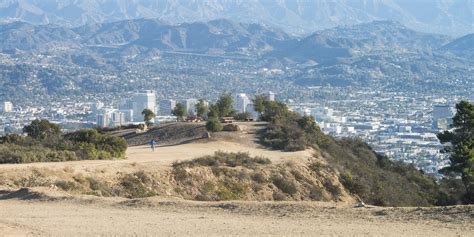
<point x="7" y="107"/>
<point x="270" y="96"/>
<point x="143" y="100"/>
<point x="240" y="102"/>
<point x="128" y="115"/>
<point x="125" y="104"/>
<point x="117" y="118"/>
<point x="251" y="110"/>
<point x="190" y="106"/>
<point x="103" y="120"/>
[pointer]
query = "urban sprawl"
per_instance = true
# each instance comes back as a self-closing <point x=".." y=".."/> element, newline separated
<point x="407" y="134"/>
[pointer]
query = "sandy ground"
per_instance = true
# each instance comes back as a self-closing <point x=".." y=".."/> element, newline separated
<point x="66" y="215"/>
<point x="164" y="156"/>
<point x="159" y="217"/>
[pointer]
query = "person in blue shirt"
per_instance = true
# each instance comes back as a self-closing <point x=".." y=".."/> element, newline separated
<point x="152" y="144"/>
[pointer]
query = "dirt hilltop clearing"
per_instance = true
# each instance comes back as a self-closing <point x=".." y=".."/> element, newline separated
<point x="81" y="199"/>
<point x="31" y="212"/>
<point x="173" y="146"/>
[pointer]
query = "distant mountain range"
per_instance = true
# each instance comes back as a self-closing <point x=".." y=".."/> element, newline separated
<point x="452" y="17"/>
<point x="51" y="60"/>
<point x="463" y="46"/>
<point x="218" y="37"/>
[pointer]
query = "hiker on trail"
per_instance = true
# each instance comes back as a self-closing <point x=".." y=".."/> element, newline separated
<point x="153" y="144"/>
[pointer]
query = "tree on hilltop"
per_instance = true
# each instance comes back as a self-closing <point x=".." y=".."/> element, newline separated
<point x="179" y="111"/>
<point x="201" y="108"/>
<point x="41" y="129"/>
<point x="148" y="115"/>
<point x="259" y="104"/>
<point x="459" y="144"/>
<point x="225" y="105"/>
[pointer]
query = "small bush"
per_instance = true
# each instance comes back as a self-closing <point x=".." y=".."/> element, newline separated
<point x="243" y="116"/>
<point x="316" y="166"/>
<point x="213" y="125"/>
<point x="67" y="185"/>
<point x="315" y="193"/>
<point x="203" y="197"/>
<point x="279" y="196"/>
<point x="332" y="188"/>
<point x="285" y="185"/>
<point x="259" y="177"/>
<point x="36" y="179"/>
<point x="352" y="184"/>
<point x="100" y="188"/>
<point x="225" y="159"/>
<point x="208" y="188"/>
<point x="133" y="187"/>
<point x="230" y="190"/>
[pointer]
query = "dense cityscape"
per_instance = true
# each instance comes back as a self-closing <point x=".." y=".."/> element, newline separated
<point x="400" y="127"/>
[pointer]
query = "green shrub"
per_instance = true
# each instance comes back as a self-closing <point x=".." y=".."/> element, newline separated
<point x="287" y="130"/>
<point x="213" y="125"/>
<point x="315" y="193"/>
<point x="243" y="116"/>
<point x="67" y="185"/>
<point x="230" y="190"/>
<point x="225" y="159"/>
<point x="47" y="144"/>
<point x="259" y="177"/>
<point x="133" y="186"/>
<point x="100" y="188"/>
<point x="35" y="179"/>
<point x="376" y="179"/>
<point x="285" y="185"/>
<point x="332" y="188"/>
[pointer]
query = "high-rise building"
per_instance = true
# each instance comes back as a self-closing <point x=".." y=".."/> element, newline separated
<point x="103" y="120"/>
<point x="323" y="114"/>
<point x="190" y="106"/>
<point x="442" y="116"/>
<point x="128" y="115"/>
<point x="125" y="104"/>
<point x="270" y="96"/>
<point x="143" y="100"/>
<point x="166" y="106"/>
<point x="117" y="119"/>
<point x="240" y="102"/>
<point x="251" y="110"/>
<point x="7" y="107"/>
<point x="442" y="111"/>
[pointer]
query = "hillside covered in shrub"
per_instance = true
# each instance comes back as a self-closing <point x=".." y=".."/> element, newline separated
<point x="372" y="177"/>
<point x="45" y="143"/>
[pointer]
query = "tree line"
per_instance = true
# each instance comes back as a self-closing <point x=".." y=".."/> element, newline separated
<point x="213" y="112"/>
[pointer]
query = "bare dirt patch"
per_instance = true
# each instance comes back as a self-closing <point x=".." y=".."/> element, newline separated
<point x="85" y="215"/>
